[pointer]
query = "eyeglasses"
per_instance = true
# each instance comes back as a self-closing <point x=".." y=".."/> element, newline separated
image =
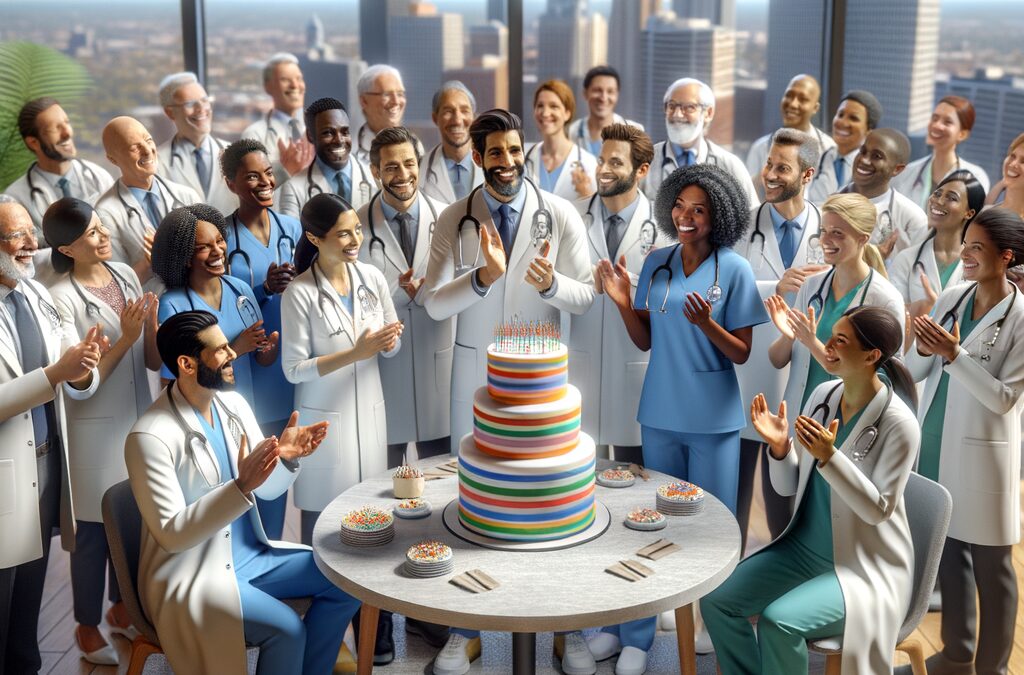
<point x="189" y="106"/>
<point x="17" y="235"/>
<point x="392" y="95"/>
<point x="672" y="107"/>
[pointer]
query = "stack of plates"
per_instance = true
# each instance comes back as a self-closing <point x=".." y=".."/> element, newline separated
<point x="368" y="526"/>
<point x="430" y="558"/>
<point x="680" y="499"/>
<point x="615" y="478"/>
<point x="645" y="519"/>
<point x="411" y="509"/>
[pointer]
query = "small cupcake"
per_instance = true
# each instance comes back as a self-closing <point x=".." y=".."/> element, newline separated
<point x="408" y="482"/>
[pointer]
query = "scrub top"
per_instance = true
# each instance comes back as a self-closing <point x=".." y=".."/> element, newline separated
<point x="691" y="386"/>
<point x="931" y="430"/>
<point x="546" y="179"/>
<point x="232" y="317"/>
<point x="812" y="530"/>
<point x="947" y="272"/>
<point x="830" y="313"/>
<point x="275" y="395"/>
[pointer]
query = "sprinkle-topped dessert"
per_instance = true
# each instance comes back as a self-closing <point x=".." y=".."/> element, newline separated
<point x="680" y="499"/>
<point x="405" y="471"/>
<point x="429" y="558"/>
<point x="368" y="526"/>
<point x="408" y="482"/>
<point x="645" y="519"/>
<point x="527" y="363"/>
<point x="412" y="508"/>
<point x="616" y="478"/>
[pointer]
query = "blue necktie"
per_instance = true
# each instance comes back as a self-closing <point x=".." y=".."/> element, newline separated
<point x="65" y="186"/>
<point x="787" y="247"/>
<point x="153" y="209"/>
<point x="687" y="158"/>
<point x="458" y="186"/>
<point x="33" y="357"/>
<point x="296" y="131"/>
<point x="202" y="169"/>
<point x="505" y="227"/>
<point x="840" y="165"/>
<point x="344" y="186"/>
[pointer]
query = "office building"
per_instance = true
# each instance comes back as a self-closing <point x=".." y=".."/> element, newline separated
<point x="374" y="18"/>
<point x="628" y="17"/>
<point x="488" y="38"/>
<point x="718" y="12"/>
<point x="423" y="45"/>
<point x="487" y="78"/>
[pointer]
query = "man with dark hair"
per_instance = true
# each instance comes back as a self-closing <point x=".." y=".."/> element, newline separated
<point x="601" y="89"/>
<point x="41" y="361"/>
<point x="858" y="113"/>
<point x="334" y="170"/>
<point x="484" y="247"/>
<point x="209" y="578"/>
<point x="450" y="173"/>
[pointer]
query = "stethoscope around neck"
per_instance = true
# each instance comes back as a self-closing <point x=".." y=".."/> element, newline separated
<point x="884" y="229"/>
<point x="815" y="254"/>
<point x="951" y="316"/>
<point x="374" y="239"/>
<point x="192" y="437"/>
<point x="37" y="195"/>
<point x="866" y="438"/>
<point x="818" y="299"/>
<point x="668" y="159"/>
<point x="313" y="189"/>
<point x="432" y="176"/>
<point x="282" y="237"/>
<point x="712" y="295"/>
<point x="648" y="230"/>
<point x="244" y="305"/>
<point x="540" y="225"/>
<point x="163" y="188"/>
<point x="368" y="301"/>
<point x="92" y="309"/>
<point x="532" y="167"/>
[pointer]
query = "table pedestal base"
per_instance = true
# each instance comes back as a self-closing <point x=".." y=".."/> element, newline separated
<point x="524" y="653"/>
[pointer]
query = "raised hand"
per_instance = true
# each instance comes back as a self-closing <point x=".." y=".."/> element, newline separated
<point x="278" y="277"/>
<point x="818" y="440"/>
<point x="371" y="343"/>
<point x="615" y="281"/>
<point x="410" y="285"/>
<point x="793" y="278"/>
<point x="934" y="339"/>
<point x="299" y="441"/>
<point x="803" y="326"/>
<point x="77" y="362"/>
<point x="778" y="310"/>
<point x="774" y="429"/>
<point x="887" y="246"/>
<point x="133" y="317"/>
<point x="541" y="274"/>
<point x="581" y="181"/>
<point x="493" y="254"/>
<point x="924" y="305"/>
<point x="255" y="467"/>
<point x="295" y="155"/>
<point x="250" y="339"/>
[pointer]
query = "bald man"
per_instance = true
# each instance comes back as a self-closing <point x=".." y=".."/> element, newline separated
<point x="139" y="199"/>
<point x="800" y="102"/>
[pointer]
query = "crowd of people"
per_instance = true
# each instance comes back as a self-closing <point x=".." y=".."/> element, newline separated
<point x="227" y="322"/>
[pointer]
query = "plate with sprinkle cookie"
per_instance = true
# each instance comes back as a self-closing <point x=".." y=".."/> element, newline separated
<point x="616" y="478"/>
<point x="429" y="558"/>
<point x="680" y="499"/>
<point x="645" y="519"/>
<point x="368" y="526"/>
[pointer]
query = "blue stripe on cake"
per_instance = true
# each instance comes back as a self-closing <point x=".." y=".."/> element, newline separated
<point x="527" y="479"/>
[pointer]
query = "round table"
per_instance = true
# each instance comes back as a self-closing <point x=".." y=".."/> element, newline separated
<point x="565" y="589"/>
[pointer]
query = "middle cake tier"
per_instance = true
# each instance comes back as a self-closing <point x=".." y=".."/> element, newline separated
<point x="529" y="431"/>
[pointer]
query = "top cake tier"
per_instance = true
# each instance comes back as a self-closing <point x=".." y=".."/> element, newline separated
<point x="527" y="378"/>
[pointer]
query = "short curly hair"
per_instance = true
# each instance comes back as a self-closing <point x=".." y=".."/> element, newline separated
<point x="175" y="241"/>
<point x="232" y="156"/>
<point x="727" y="200"/>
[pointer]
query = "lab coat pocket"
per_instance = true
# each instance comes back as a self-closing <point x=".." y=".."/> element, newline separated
<point x="381" y="420"/>
<point x="443" y="371"/>
<point x="464" y="379"/>
<point x="8" y="487"/>
<point x="328" y="455"/>
<point x="91" y="446"/>
<point x="984" y="465"/>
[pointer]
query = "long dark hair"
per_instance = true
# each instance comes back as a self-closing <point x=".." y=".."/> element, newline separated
<point x="878" y="328"/>
<point x="1006" y="230"/>
<point x="318" y="217"/>
<point x="972" y="186"/>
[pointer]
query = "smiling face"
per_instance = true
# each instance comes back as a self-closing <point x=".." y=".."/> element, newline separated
<point x="503" y="163"/>
<point x="399" y="171"/>
<point x="875" y="164"/>
<point x="615" y="172"/>
<point x="92" y="247"/>
<point x="17" y="243"/>
<point x="131" y="148"/>
<point x="602" y="95"/>
<point x="384" y="105"/>
<point x="214" y="367"/>
<point x="844" y="354"/>
<point x="192" y="111"/>
<point x="800" y="102"/>
<point x="983" y="261"/>
<point x="54" y="137"/>
<point x="1013" y="168"/>
<point x="850" y="126"/>
<point x="254" y="181"/>
<point x="948" y="208"/>
<point x="341" y="243"/>
<point x="691" y="215"/>
<point x="781" y="175"/>
<point x="208" y="255"/>
<point x="287" y="87"/>
<point x="332" y="138"/>
<point x="550" y="113"/>
<point x="685" y="115"/>
<point x="840" y="242"/>
<point x="453" y="117"/>
<point x="944" y="130"/>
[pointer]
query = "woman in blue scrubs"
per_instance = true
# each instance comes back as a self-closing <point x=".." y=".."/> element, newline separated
<point x="695" y="307"/>
<point x="261" y="249"/>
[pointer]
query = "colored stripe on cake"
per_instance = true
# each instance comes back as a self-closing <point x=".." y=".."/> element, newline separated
<point x="515" y="504"/>
<point x="585" y="469"/>
<point x="532" y="533"/>
<point x="525" y="516"/>
<point x="526" y="420"/>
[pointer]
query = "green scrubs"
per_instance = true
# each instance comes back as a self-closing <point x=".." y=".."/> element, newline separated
<point x="947" y="272"/>
<point x="830" y="313"/>
<point x="931" y="430"/>
<point x="792" y="584"/>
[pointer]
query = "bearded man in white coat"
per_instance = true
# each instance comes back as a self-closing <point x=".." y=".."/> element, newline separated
<point x="208" y="577"/>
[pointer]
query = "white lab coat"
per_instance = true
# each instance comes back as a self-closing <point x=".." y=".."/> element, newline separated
<point x="450" y="291"/>
<point x="417" y="380"/>
<point x="97" y="426"/>
<point x="350" y="398"/>
<point x="758" y="155"/>
<point x="94" y="177"/>
<point x="880" y="293"/>
<point x="906" y="278"/>
<point x="707" y="153"/>
<point x="435" y="181"/>
<point x="294" y="194"/>
<point x="758" y="375"/>
<point x="871" y="543"/>
<point x="178" y="164"/>
<point x="910" y="181"/>
<point x="579" y="133"/>
<point x="268" y="130"/>
<point x="187" y="582"/>
<point x="898" y="214"/>
<point x="19" y="393"/>
<point x="980" y="455"/>
<point x="604" y="364"/>
<point x="563" y="186"/>
<point x="825" y="182"/>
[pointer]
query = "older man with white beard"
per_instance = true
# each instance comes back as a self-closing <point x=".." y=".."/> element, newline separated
<point x="689" y="109"/>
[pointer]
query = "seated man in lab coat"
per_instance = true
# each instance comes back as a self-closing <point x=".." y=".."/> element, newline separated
<point x="208" y="577"/>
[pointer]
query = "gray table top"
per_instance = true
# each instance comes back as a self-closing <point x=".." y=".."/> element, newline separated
<point x="565" y="589"/>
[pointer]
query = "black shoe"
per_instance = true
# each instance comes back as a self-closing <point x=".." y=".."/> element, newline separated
<point x="384" y="649"/>
<point x="433" y="634"/>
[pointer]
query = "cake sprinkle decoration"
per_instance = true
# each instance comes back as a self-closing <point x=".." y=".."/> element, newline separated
<point x="411" y="504"/>
<point x="367" y="519"/>
<point x="617" y="474"/>
<point x="681" y="491"/>
<point x="645" y="515"/>
<point x="407" y="472"/>
<point x="533" y="337"/>
<point x="429" y="550"/>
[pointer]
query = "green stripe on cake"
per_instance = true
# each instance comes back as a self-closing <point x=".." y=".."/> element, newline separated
<point x="531" y="492"/>
<point x="532" y="432"/>
<point x="585" y="521"/>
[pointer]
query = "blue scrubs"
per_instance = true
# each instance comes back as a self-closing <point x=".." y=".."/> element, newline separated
<point x="232" y="317"/>
<point x="287" y="643"/>
<point x="690" y="409"/>
<point x="548" y="179"/>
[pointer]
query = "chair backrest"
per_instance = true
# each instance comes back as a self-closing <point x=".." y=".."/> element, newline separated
<point x="123" y="523"/>
<point x="929" y="508"/>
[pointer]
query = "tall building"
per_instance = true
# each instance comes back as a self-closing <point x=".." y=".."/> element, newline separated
<point x="497" y="10"/>
<point x="718" y="12"/>
<point x="672" y="48"/>
<point x="999" y="108"/>
<point x="487" y="79"/>
<point x="628" y="17"/>
<point x="569" y="42"/>
<point x="797" y="37"/>
<point x="423" y="45"/>
<point x="374" y="17"/>
<point x="335" y="78"/>
<point x="488" y="38"/>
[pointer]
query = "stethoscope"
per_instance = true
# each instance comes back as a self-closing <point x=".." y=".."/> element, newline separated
<point x="131" y="211"/>
<point x="35" y="192"/>
<point x="815" y="254"/>
<point x="532" y="167"/>
<point x="244" y="305"/>
<point x="712" y="295"/>
<point x="819" y="295"/>
<point x="648" y="231"/>
<point x="178" y="155"/>
<point x="920" y="251"/>
<point x="45" y="308"/>
<point x="919" y="179"/>
<point x="312" y="188"/>
<point x="884" y="228"/>
<point x="951" y="317"/>
<point x="91" y="308"/>
<point x="432" y="176"/>
<point x="235" y="427"/>
<point x="540" y="226"/>
<point x="374" y="239"/>
<point x="668" y="158"/>
<point x="368" y="301"/>
<point x="866" y="438"/>
<point x="289" y="250"/>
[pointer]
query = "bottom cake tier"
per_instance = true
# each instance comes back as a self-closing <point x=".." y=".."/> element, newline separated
<point x="526" y="499"/>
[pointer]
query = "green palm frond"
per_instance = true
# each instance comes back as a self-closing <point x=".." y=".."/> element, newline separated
<point x="28" y="71"/>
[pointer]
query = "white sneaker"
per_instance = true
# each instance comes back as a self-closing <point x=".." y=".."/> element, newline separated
<point x="604" y="646"/>
<point x="702" y="643"/>
<point x="667" y="621"/>
<point x="455" y="657"/>
<point x="576" y="657"/>
<point x="632" y="661"/>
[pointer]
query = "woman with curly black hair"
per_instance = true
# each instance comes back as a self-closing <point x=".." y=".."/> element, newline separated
<point x="190" y="256"/>
<point x="695" y="307"/>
